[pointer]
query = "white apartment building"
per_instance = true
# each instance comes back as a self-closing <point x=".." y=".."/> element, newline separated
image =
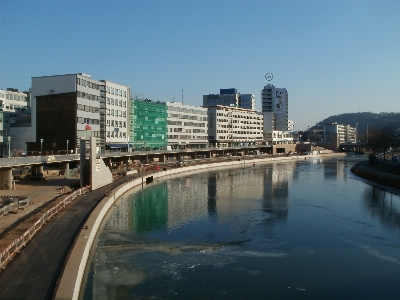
<point x="229" y="126"/>
<point x="276" y="100"/>
<point x="14" y="108"/>
<point x="186" y="125"/>
<point x="275" y="137"/>
<point x="338" y="133"/>
<point x="114" y="125"/>
<point x="12" y="100"/>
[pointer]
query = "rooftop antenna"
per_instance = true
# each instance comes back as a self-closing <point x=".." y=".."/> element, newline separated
<point x="182" y="96"/>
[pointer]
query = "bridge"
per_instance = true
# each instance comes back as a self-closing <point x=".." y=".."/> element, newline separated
<point x="37" y="162"/>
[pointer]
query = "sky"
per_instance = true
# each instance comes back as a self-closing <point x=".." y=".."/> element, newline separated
<point x="333" y="57"/>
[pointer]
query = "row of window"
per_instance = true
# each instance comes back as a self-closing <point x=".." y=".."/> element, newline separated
<point x="116" y="113"/>
<point x="111" y="101"/>
<point x="88" y="133"/>
<point x="189" y="117"/>
<point x="115" y="91"/>
<point x="115" y="123"/>
<point x="187" y="110"/>
<point x="81" y="120"/>
<point x="88" y="108"/>
<point x="87" y="83"/>
<point x="88" y="96"/>
<point x="13" y="97"/>
<point x="187" y="130"/>
<point x="240" y="116"/>
<point x="187" y="137"/>
<point x="235" y="131"/>
<point x="116" y="134"/>
<point x="222" y="137"/>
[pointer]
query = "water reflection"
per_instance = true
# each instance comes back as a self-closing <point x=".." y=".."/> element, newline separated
<point x="228" y="234"/>
<point x="383" y="205"/>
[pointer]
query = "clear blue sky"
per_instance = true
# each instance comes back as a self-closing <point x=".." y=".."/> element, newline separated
<point x="333" y="56"/>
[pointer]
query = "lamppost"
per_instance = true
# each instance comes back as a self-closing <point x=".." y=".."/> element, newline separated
<point x="41" y="147"/>
<point x="356" y="131"/>
<point x="9" y="146"/>
<point x="67" y="146"/>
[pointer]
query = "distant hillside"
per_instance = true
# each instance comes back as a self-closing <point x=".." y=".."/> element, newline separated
<point x="363" y="119"/>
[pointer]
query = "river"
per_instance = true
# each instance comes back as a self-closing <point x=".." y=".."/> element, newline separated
<point x="304" y="229"/>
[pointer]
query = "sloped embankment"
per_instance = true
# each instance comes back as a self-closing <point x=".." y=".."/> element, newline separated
<point x="376" y="174"/>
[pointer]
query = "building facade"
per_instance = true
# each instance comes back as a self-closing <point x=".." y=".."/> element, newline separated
<point x="339" y="134"/>
<point x="229" y="126"/>
<point x="148" y="124"/>
<point x="65" y="108"/>
<point x="230" y="98"/>
<point x="276" y="137"/>
<point x="275" y="100"/>
<point x="187" y="126"/>
<point x="114" y="113"/>
<point x="15" y="118"/>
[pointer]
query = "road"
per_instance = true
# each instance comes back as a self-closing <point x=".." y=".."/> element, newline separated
<point x="34" y="272"/>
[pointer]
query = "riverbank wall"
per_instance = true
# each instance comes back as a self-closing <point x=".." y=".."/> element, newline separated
<point x="75" y="270"/>
<point x="374" y="173"/>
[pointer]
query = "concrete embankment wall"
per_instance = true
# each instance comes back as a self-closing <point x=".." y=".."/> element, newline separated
<point x="363" y="170"/>
<point x="74" y="272"/>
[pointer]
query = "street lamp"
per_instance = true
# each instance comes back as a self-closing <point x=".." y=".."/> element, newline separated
<point x="67" y="146"/>
<point x="356" y="131"/>
<point x="41" y="147"/>
<point x="9" y="146"/>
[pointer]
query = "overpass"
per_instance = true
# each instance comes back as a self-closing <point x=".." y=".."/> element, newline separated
<point x="37" y="162"/>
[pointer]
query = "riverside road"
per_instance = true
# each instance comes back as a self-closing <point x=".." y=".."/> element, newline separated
<point x="33" y="273"/>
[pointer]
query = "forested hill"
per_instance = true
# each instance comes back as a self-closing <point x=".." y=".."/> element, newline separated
<point x="363" y="119"/>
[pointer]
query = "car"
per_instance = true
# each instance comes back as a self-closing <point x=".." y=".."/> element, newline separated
<point x="156" y="148"/>
<point x="395" y="158"/>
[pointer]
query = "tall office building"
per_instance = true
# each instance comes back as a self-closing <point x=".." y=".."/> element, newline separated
<point x="275" y="101"/>
<point x="66" y="108"/>
<point x="230" y="98"/>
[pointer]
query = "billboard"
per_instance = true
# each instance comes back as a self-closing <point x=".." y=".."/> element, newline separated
<point x="280" y="101"/>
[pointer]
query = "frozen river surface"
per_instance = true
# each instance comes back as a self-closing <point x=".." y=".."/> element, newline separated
<point x="306" y="229"/>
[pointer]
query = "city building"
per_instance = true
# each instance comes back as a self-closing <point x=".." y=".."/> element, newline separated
<point x="290" y="125"/>
<point x="13" y="100"/>
<point x="276" y="137"/>
<point x="187" y="125"/>
<point x="114" y="113"/>
<point x="231" y="98"/>
<point x="339" y="134"/>
<point x="275" y="100"/>
<point x="65" y="108"/>
<point x="148" y="124"/>
<point x="230" y="126"/>
<point x="15" y="122"/>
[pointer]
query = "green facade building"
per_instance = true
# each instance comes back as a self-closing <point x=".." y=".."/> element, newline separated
<point x="148" y="125"/>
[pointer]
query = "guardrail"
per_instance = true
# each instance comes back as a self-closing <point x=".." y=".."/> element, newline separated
<point x="20" y="242"/>
<point x="14" y="203"/>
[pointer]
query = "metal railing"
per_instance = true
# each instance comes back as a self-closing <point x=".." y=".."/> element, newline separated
<point x="21" y="241"/>
<point x="30" y="160"/>
<point x="14" y="203"/>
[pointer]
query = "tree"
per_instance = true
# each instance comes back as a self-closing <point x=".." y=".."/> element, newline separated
<point x="384" y="138"/>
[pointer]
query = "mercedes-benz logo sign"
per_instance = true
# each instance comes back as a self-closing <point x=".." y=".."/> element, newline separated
<point x="269" y="76"/>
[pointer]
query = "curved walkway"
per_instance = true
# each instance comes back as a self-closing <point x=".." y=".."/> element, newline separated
<point x="365" y="170"/>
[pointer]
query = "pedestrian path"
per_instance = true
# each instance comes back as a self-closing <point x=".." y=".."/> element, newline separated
<point x="39" y="193"/>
